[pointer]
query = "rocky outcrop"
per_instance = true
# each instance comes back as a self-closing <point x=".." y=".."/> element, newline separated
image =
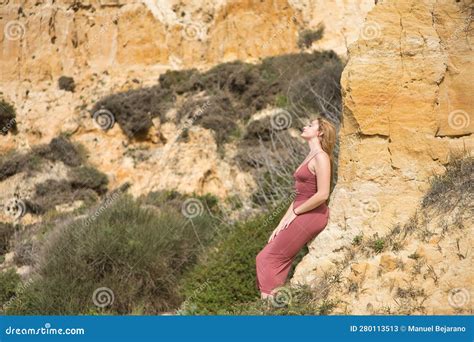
<point x="46" y="39"/>
<point x="406" y="109"/>
<point x="114" y="45"/>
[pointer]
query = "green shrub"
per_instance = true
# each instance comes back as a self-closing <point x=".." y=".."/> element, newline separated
<point x="9" y="281"/>
<point x="7" y="118"/>
<point x="236" y="90"/>
<point x="85" y="182"/>
<point x="281" y="101"/>
<point x="357" y="240"/>
<point x="215" y="114"/>
<point x="376" y="243"/>
<point x="87" y="177"/>
<point x="174" y="199"/>
<point x="14" y="162"/>
<point x="134" y="109"/>
<point x="457" y="179"/>
<point x="61" y="149"/>
<point x="6" y="232"/>
<point x="181" y="81"/>
<point x="139" y="254"/>
<point x="227" y="275"/>
<point x="271" y="186"/>
<point x="290" y="300"/>
<point x="52" y="192"/>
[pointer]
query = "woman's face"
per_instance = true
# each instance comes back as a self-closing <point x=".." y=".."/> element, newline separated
<point x="311" y="130"/>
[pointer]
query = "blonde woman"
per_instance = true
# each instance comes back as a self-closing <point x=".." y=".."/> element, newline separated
<point x="307" y="215"/>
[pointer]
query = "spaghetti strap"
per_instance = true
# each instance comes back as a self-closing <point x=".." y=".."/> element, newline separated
<point x="301" y="166"/>
<point x="314" y="155"/>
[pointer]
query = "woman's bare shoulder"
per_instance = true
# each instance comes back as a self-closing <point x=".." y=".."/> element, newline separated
<point x="321" y="158"/>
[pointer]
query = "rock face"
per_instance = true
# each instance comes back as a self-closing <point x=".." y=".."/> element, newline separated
<point x="46" y="39"/>
<point x="405" y="109"/>
<point x="108" y="46"/>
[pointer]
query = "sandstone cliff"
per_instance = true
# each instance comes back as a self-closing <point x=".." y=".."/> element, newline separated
<point x="406" y="106"/>
<point x="92" y="42"/>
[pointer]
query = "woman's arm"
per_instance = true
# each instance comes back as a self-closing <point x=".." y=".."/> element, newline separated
<point x="323" y="172"/>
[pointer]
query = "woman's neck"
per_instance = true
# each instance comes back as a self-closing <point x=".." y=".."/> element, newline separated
<point x="314" y="146"/>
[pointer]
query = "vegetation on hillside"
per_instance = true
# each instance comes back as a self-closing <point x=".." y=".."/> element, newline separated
<point x="225" y="97"/>
<point x="7" y="118"/>
<point x="137" y="252"/>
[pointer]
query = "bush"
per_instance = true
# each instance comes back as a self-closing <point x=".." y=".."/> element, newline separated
<point x="66" y="83"/>
<point x="307" y="37"/>
<point x="85" y="184"/>
<point x="9" y="281"/>
<point x="139" y="254"/>
<point x="236" y="91"/>
<point x="14" y="162"/>
<point x="52" y="192"/>
<point x="228" y="276"/>
<point x="6" y="232"/>
<point x="174" y="200"/>
<point x="61" y="149"/>
<point x="214" y="114"/>
<point x="134" y="109"/>
<point x="181" y="81"/>
<point x="456" y="180"/>
<point x="290" y="300"/>
<point x="7" y="118"/>
<point x="87" y="177"/>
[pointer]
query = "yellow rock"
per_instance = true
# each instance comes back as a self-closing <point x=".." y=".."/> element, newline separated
<point x="388" y="262"/>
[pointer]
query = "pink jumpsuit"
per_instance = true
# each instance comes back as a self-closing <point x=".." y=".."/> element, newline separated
<point x="273" y="262"/>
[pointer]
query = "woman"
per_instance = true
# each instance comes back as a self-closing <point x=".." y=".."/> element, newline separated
<point x="307" y="216"/>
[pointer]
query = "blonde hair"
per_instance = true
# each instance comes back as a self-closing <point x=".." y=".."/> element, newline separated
<point x="328" y="141"/>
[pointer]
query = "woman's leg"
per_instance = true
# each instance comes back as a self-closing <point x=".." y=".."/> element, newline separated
<point x="274" y="261"/>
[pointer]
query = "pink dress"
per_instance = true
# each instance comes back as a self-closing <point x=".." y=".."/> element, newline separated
<point x="273" y="262"/>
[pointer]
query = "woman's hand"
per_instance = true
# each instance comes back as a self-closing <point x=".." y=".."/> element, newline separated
<point x="290" y="219"/>
<point x="275" y="232"/>
<point x="282" y="225"/>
